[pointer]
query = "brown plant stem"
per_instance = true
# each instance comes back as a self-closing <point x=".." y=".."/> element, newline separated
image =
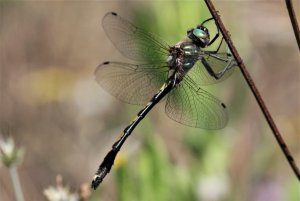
<point x="293" y="19"/>
<point x="253" y="88"/>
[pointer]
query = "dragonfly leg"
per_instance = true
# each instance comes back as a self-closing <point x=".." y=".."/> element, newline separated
<point x="218" y="75"/>
<point x="217" y="50"/>
<point x="215" y="37"/>
<point x="206" y="21"/>
<point x="230" y="65"/>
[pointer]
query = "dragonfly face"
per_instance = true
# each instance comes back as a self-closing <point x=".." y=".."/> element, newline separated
<point x="199" y="36"/>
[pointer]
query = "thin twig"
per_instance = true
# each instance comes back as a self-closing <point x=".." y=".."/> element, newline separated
<point x="254" y="90"/>
<point x="294" y="22"/>
<point x="16" y="183"/>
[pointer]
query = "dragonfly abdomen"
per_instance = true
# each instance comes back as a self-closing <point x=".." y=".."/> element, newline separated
<point x="141" y="114"/>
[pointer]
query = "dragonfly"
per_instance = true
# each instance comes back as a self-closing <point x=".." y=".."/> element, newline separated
<point x="170" y="73"/>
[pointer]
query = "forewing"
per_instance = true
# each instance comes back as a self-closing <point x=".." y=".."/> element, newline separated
<point x="195" y="107"/>
<point x="135" y="84"/>
<point x="133" y="42"/>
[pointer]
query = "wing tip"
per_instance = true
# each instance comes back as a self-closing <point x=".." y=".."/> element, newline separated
<point x="100" y="65"/>
<point x="108" y="15"/>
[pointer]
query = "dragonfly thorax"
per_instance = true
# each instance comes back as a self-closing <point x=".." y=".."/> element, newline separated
<point x="182" y="58"/>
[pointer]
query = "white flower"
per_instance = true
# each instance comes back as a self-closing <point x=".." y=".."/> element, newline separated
<point x="60" y="192"/>
<point x="7" y="146"/>
<point x="9" y="154"/>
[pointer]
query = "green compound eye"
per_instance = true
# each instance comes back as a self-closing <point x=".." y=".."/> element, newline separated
<point x="199" y="33"/>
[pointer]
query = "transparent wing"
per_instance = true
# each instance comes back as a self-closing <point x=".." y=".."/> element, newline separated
<point x="133" y="42"/>
<point x="135" y="84"/>
<point x="195" y="107"/>
<point x="218" y="61"/>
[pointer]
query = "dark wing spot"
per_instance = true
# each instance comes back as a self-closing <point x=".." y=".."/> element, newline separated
<point x="106" y="62"/>
<point x="113" y="13"/>
<point x="223" y="105"/>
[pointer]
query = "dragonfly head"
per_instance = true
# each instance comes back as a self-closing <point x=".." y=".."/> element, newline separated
<point x="199" y="36"/>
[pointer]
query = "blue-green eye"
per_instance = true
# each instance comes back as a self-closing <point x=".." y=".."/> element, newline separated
<point x="200" y="33"/>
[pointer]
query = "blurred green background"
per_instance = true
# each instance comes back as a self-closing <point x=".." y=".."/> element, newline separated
<point x="52" y="106"/>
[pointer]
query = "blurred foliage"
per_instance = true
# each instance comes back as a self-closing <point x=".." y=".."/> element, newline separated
<point x="150" y="179"/>
<point x="48" y="85"/>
